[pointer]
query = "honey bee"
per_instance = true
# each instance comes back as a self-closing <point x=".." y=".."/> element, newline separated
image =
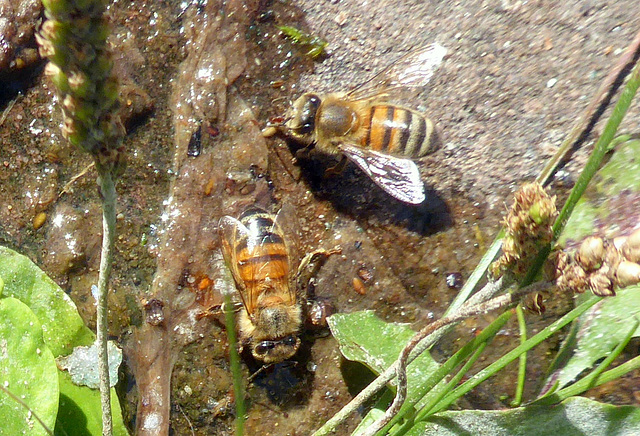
<point x="381" y="138"/>
<point x="261" y="259"/>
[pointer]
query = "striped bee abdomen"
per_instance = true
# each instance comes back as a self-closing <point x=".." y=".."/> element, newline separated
<point x="399" y="131"/>
<point x="262" y="253"/>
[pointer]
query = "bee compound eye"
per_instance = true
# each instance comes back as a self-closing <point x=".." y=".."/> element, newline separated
<point x="308" y="114"/>
<point x="289" y="341"/>
<point x="264" y="346"/>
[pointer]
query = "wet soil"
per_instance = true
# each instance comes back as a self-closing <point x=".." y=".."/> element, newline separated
<point x="517" y="76"/>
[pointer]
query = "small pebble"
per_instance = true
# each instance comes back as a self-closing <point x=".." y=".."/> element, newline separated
<point x="39" y="220"/>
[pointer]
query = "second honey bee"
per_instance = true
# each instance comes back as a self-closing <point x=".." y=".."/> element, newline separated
<point x="261" y="260"/>
<point x="381" y="138"/>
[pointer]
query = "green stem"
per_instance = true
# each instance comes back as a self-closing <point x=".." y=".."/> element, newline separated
<point x="108" y="193"/>
<point x="234" y="363"/>
<point x="499" y="364"/>
<point x="600" y="149"/>
<point x="595" y="377"/>
<point x="477" y="275"/>
<point x="424" y="412"/>
<point x="425" y="389"/>
<point x="593" y="164"/>
<point x="522" y="367"/>
<point x="586" y="122"/>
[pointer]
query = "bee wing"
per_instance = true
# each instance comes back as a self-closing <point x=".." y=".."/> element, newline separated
<point x="286" y="220"/>
<point x="398" y="177"/>
<point x="412" y="70"/>
<point x="231" y="230"/>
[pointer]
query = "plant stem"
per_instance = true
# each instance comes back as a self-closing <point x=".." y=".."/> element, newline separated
<point x="477" y="275"/>
<point x="585" y="123"/>
<point x="496" y="366"/>
<point x="108" y="194"/>
<point x="600" y="149"/>
<point x="386" y="376"/>
<point x="591" y="167"/>
<point x="522" y="366"/>
<point x="466" y="311"/>
<point x="595" y="378"/>
<point x="428" y="391"/>
<point x="234" y="362"/>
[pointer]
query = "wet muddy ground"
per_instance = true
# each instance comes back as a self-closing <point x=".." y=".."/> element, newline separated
<point x="517" y="76"/>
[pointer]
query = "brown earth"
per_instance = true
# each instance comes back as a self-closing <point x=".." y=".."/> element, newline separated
<point x="517" y="76"/>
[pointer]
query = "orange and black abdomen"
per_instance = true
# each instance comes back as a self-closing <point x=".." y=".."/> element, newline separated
<point x="262" y="253"/>
<point x="398" y="131"/>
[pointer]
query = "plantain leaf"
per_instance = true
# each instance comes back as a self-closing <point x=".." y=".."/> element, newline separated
<point x="61" y="323"/>
<point x="27" y="370"/>
<point x="62" y="329"/>
<point x="576" y="416"/>
<point x="80" y="411"/>
<point x="365" y="338"/>
<point x="611" y="204"/>
<point x="600" y="330"/>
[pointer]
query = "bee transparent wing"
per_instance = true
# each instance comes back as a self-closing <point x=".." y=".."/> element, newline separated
<point x="398" y="177"/>
<point x="412" y="70"/>
<point x="231" y="230"/>
<point x="286" y="220"/>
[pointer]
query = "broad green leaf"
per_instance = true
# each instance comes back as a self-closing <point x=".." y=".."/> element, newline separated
<point x="63" y="329"/>
<point x="62" y="325"/>
<point x="365" y="338"/>
<point x="27" y="370"/>
<point x="576" y="416"/>
<point x="599" y="331"/>
<point x="80" y="412"/>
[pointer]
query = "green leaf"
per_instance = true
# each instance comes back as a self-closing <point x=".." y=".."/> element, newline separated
<point x="80" y="411"/>
<point x="365" y="338"/>
<point x="576" y="416"/>
<point x="61" y="323"/>
<point x="27" y="370"/>
<point x="600" y="330"/>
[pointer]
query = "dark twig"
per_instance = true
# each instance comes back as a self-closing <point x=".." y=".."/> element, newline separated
<point x="598" y="104"/>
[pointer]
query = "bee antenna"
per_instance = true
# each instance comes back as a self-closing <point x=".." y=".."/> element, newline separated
<point x="280" y="98"/>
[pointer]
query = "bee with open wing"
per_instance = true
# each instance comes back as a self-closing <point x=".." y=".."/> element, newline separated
<point x="381" y="138"/>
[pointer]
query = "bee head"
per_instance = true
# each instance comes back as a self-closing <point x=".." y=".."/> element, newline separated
<point x="301" y="120"/>
<point x="274" y="351"/>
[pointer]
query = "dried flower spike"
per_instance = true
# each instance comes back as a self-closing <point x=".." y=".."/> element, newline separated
<point x="74" y="38"/>
<point x="528" y="228"/>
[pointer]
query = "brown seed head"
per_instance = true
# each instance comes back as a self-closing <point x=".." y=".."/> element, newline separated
<point x="631" y="247"/>
<point x="601" y="285"/>
<point x="591" y="253"/>
<point x="627" y="274"/>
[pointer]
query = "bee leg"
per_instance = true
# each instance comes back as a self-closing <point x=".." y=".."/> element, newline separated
<point x="302" y="153"/>
<point x="214" y="310"/>
<point x="310" y="265"/>
<point x="337" y="168"/>
<point x="218" y="309"/>
<point x="263" y="368"/>
<point x="288" y="165"/>
<point x="233" y="307"/>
